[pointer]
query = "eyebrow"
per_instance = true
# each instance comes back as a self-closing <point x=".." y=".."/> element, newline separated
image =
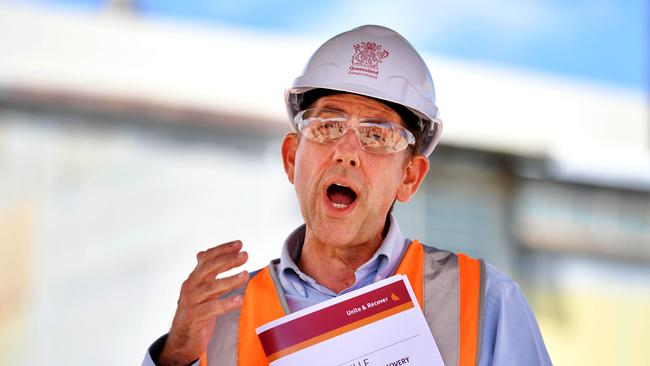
<point x="336" y="106"/>
<point x="332" y="105"/>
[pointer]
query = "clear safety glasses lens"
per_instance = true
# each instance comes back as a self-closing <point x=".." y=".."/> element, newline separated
<point x="375" y="135"/>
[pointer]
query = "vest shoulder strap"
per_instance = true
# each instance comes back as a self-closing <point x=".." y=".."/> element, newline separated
<point x="450" y="289"/>
<point x="234" y="341"/>
<point x="261" y="305"/>
<point x="412" y="265"/>
<point x="222" y="348"/>
<point x="470" y="280"/>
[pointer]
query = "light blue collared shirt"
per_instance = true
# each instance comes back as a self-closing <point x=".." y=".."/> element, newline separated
<point x="510" y="332"/>
<point x="302" y="291"/>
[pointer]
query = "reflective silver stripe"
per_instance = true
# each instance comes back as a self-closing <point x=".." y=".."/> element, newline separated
<point x="222" y="349"/>
<point x="401" y="256"/>
<point x="441" y="304"/>
<point x="441" y="301"/>
<point x="278" y="286"/>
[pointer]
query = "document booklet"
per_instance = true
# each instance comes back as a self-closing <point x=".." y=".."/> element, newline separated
<point x="379" y="325"/>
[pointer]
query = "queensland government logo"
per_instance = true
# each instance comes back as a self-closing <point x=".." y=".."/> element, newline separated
<point x="366" y="59"/>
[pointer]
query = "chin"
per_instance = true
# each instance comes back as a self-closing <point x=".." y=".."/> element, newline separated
<point x="335" y="234"/>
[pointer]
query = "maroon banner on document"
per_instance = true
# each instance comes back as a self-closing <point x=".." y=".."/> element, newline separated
<point x="333" y="317"/>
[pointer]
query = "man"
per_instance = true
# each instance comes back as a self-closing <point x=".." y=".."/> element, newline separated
<point x="364" y="121"/>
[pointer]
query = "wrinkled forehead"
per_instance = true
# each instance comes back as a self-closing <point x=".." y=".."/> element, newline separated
<point x="358" y="105"/>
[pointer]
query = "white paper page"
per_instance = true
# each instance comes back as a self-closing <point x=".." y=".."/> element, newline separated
<point x="380" y="325"/>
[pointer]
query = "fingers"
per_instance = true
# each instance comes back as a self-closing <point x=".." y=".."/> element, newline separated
<point x="211" y="267"/>
<point x="202" y="284"/>
<point x="212" y="289"/>
<point x="226" y="248"/>
<point x="219" y="259"/>
<point x="210" y="309"/>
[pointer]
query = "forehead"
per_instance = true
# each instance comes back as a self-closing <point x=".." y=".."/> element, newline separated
<point x="357" y="104"/>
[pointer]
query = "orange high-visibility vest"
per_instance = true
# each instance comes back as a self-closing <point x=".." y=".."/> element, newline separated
<point x="262" y="304"/>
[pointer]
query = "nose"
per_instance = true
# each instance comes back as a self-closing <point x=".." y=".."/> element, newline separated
<point x="346" y="149"/>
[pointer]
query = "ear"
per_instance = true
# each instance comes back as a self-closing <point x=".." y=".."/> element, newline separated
<point x="414" y="173"/>
<point x="289" y="147"/>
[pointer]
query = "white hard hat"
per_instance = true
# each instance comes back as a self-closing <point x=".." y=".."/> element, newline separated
<point x="377" y="62"/>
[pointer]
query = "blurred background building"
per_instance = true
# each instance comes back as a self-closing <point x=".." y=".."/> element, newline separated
<point x="135" y="133"/>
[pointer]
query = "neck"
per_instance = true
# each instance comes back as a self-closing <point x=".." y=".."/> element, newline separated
<point x="332" y="265"/>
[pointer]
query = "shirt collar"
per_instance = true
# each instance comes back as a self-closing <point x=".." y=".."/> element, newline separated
<point x="388" y="254"/>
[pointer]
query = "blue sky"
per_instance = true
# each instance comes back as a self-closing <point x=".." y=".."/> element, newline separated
<point x="604" y="41"/>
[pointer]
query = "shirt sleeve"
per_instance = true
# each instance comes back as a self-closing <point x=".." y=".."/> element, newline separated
<point x="154" y="351"/>
<point x="511" y="335"/>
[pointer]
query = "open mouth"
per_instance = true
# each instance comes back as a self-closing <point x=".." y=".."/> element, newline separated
<point x="341" y="196"/>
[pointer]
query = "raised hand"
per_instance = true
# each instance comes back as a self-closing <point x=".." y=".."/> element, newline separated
<point x="200" y="305"/>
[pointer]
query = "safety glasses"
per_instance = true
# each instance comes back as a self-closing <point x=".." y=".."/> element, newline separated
<point x="375" y="135"/>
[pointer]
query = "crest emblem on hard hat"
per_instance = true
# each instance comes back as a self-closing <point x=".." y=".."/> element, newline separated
<point x="368" y="54"/>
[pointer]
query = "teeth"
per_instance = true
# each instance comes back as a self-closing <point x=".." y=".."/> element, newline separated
<point x="339" y="205"/>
